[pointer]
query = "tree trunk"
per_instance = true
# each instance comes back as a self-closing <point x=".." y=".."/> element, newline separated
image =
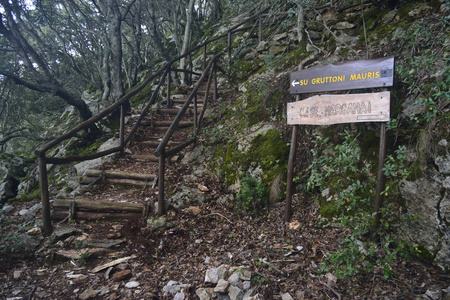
<point x="186" y="39"/>
<point x="300" y="22"/>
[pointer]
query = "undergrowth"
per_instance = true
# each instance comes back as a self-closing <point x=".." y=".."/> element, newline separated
<point x="349" y="205"/>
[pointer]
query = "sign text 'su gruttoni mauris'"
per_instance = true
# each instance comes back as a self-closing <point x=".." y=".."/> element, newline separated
<point x="358" y="74"/>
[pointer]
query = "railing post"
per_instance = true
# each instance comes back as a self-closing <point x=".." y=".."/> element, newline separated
<point x="122" y="130"/>
<point x="204" y="57"/>
<point x="195" y="112"/>
<point x="161" y="204"/>
<point x="47" y="223"/>
<point x="191" y="69"/>
<point x="169" y="102"/>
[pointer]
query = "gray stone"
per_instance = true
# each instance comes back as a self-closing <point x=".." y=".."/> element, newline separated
<point x="420" y="11"/>
<point x="179" y="296"/>
<point x="223" y="296"/>
<point x="206" y="293"/>
<point x="389" y="17"/>
<point x="429" y="210"/>
<point x="159" y="224"/>
<point x="8" y="208"/>
<point x="82" y="167"/>
<point x="11" y="165"/>
<point x="344" y="25"/>
<point x="34" y="231"/>
<point x="214" y="275"/>
<point x="286" y="296"/>
<point x="226" y="200"/>
<point x="173" y="287"/>
<point x="31" y="213"/>
<point x="434" y="294"/>
<point x="63" y="232"/>
<point x="132" y="284"/>
<point x="7" y="190"/>
<point x="186" y="197"/>
<point x="281" y="36"/>
<point x="88" y="294"/>
<point x="235" y="293"/>
<point x="245" y="274"/>
<point x="255" y="297"/>
<point x="222" y="286"/>
<point x="443" y="164"/>
<point x="234" y="278"/>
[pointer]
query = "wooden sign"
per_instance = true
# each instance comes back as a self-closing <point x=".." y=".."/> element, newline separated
<point x="335" y="109"/>
<point x="358" y="74"/>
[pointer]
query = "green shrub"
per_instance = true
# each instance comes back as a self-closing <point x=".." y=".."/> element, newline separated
<point x="254" y="195"/>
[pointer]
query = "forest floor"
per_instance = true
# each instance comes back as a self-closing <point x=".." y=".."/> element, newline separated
<point x="204" y="237"/>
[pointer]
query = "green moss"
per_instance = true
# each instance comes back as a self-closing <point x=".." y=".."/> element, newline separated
<point x="35" y="194"/>
<point x="329" y="210"/>
<point x="270" y="152"/>
<point x="142" y="96"/>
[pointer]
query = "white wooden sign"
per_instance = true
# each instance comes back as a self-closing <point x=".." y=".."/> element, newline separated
<point x="335" y="109"/>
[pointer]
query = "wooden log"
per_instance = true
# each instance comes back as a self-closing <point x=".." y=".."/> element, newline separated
<point x="89" y="180"/>
<point x="99" y="206"/>
<point x="145" y="157"/>
<point x="155" y="143"/>
<point x="93" y="216"/>
<point x="119" y="174"/>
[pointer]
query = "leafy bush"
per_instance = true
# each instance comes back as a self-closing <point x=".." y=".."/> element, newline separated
<point x="254" y="195"/>
<point x="339" y="168"/>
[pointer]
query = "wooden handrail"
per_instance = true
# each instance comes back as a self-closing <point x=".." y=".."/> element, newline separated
<point x="182" y="111"/>
<point x="160" y="151"/>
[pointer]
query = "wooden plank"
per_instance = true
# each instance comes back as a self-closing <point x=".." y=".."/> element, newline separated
<point x="119" y="174"/>
<point x="358" y="74"/>
<point x="103" y="206"/>
<point x="335" y="109"/>
<point x="94" y="216"/>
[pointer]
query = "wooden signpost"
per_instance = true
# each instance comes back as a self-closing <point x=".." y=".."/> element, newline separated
<point x="337" y="109"/>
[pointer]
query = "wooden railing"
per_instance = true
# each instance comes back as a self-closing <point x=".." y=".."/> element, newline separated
<point x="161" y="151"/>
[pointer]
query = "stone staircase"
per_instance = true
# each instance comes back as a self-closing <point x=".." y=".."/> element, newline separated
<point x="116" y="184"/>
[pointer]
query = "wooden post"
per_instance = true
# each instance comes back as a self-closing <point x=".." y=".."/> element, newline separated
<point x="169" y="103"/>
<point x="204" y="57"/>
<point x="162" y="165"/>
<point x="195" y="112"/>
<point x="381" y="179"/>
<point x="191" y="68"/>
<point x="122" y="130"/>
<point x="290" y="175"/>
<point x="47" y="223"/>
<point x="291" y="164"/>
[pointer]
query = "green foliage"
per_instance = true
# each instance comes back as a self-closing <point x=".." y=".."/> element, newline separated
<point x="338" y="168"/>
<point x="426" y="41"/>
<point x="14" y="241"/>
<point x="254" y="195"/>
<point x="341" y="159"/>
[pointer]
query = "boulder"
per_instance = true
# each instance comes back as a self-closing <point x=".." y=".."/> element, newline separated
<point x="428" y="204"/>
<point x="82" y="167"/>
